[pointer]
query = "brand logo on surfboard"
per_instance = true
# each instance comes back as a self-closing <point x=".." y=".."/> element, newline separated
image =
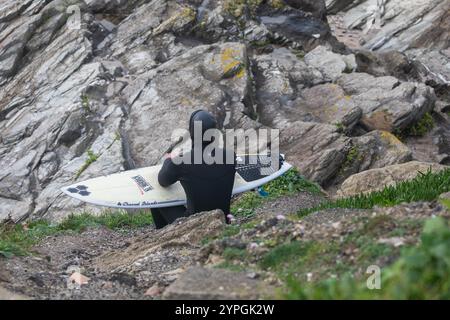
<point x="81" y="190"/>
<point x="142" y="184"/>
<point x="136" y="204"/>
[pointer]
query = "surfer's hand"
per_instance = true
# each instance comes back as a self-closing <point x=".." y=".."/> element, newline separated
<point x="168" y="156"/>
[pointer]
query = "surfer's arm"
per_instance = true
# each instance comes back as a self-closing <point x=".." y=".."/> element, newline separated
<point x="168" y="174"/>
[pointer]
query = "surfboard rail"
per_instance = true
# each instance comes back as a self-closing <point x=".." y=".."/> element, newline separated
<point x="111" y="190"/>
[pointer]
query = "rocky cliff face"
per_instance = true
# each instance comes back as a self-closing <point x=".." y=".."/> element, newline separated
<point x="94" y="87"/>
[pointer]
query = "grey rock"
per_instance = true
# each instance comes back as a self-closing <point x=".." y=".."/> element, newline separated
<point x="186" y="232"/>
<point x="199" y="283"/>
<point x="327" y="103"/>
<point x="387" y="103"/>
<point x="330" y="64"/>
<point x="159" y="19"/>
<point x="316" y="7"/>
<point x="377" y="179"/>
<point x="405" y="24"/>
<point x="385" y="63"/>
<point x="318" y="150"/>
<point x="376" y="149"/>
<point x="132" y="71"/>
<point x="211" y="77"/>
<point x="12" y="9"/>
<point x="9" y="295"/>
<point x="433" y="66"/>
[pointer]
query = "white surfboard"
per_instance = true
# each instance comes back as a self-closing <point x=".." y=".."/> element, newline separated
<point x="139" y="188"/>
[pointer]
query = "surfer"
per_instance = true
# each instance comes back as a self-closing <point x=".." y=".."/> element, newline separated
<point x="207" y="186"/>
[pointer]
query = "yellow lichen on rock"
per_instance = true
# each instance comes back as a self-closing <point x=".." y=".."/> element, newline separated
<point x="277" y="4"/>
<point x="236" y="7"/>
<point x="179" y="19"/>
<point x="390" y="138"/>
<point x="232" y="63"/>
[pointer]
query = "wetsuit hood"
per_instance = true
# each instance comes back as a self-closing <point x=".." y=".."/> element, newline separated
<point x="207" y="120"/>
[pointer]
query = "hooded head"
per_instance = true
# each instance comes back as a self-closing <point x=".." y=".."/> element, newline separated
<point x="207" y="122"/>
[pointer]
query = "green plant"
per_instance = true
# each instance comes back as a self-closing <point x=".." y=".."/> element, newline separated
<point x="419" y="129"/>
<point x="289" y="183"/>
<point x="85" y="103"/>
<point x="421" y="272"/>
<point x="230" y="254"/>
<point x="19" y="239"/>
<point x="237" y="7"/>
<point x="351" y="157"/>
<point x="300" y="54"/>
<point x="425" y="187"/>
<point x="340" y="127"/>
<point x="92" y="157"/>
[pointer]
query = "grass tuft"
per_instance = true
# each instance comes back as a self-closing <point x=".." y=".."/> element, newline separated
<point x="419" y="129"/>
<point x="92" y="157"/>
<point x="19" y="239"/>
<point x="421" y="272"/>
<point x="425" y="187"/>
<point x="289" y="183"/>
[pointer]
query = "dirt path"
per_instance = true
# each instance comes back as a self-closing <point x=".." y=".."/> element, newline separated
<point x="122" y="264"/>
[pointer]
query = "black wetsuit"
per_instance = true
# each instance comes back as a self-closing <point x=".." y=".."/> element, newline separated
<point x="207" y="187"/>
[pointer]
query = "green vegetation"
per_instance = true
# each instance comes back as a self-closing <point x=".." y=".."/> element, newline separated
<point x="291" y="182"/>
<point x="300" y="54"/>
<point x="421" y="272"/>
<point x="237" y="7"/>
<point x="351" y="157"/>
<point x="92" y="157"/>
<point x="18" y="239"/>
<point x="340" y="126"/>
<point x="260" y="43"/>
<point x="117" y="136"/>
<point x="277" y="4"/>
<point x="324" y="259"/>
<point x="445" y="202"/>
<point x="419" y="129"/>
<point x="234" y="254"/>
<point x="425" y="187"/>
<point x="85" y="103"/>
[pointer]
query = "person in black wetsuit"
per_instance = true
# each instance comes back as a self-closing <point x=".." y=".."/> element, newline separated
<point x="207" y="186"/>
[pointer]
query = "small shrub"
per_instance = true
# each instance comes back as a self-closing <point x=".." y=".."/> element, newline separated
<point x="421" y="272"/>
<point x="419" y="129"/>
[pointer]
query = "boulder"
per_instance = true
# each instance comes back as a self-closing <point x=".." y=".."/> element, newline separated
<point x="316" y="7"/>
<point x="432" y="66"/>
<point x="212" y="77"/>
<point x="326" y="103"/>
<point x="199" y="283"/>
<point x="318" y="150"/>
<point x="291" y="88"/>
<point x="143" y="46"/>
<point x="296" y="27"/>
<point x="387" y="103"/>
<point x="185" y="233"/>
<point x="385" y="63"/>
<point x="330" y="64"/>
<point x="404" y="24"/>
<point x="377" y="179"/>
<point x="376" y="149"/>
<point x="8" y="295"/>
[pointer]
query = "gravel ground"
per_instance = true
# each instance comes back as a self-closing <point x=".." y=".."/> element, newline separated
<point x="45" y="273"/>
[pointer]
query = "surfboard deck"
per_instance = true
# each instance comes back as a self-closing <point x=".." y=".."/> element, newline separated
<point x="139" y="188"/>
